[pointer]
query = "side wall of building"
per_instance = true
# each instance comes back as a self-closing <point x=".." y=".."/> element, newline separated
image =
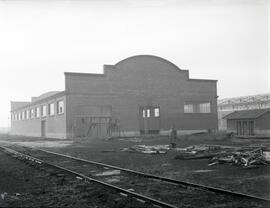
<point x="231" y="125"/>
<point x="55" y="125"/>
<point x="222" y="123"/>
<point x="262" y="124"/>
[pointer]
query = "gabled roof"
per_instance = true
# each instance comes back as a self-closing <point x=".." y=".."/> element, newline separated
<point x="246" y="114"/>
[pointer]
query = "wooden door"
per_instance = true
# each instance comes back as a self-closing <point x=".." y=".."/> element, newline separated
<point x="43" y="128"/>
<point x="251" y="127"/>
<point x="245" y="128"/>
<point x="149" y="119"/>
<point x="238" y="127"/>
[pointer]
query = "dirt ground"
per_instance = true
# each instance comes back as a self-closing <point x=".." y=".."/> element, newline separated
<point x="22" y="185"/>
<point x="251" y="181"/>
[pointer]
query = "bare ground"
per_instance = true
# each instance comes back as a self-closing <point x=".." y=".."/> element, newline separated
<point x="22" y="185"/>
<point x="250" y="181"/>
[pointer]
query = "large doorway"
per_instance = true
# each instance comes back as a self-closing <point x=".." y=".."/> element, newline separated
<point x="95" y="122"/>
<point x="43" y="128"/>
<point x="245" y="128"/>
<point x="149" y="119"/>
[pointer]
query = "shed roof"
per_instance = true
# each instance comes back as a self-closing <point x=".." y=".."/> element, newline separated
<point x="246" y="114"/>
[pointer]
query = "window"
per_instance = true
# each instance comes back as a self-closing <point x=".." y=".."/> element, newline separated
<point x="37" y="112"/>
<point x="60" y="107"/>
<point x="148" y="113"/>
<point x="27" y="114"/>
<point x="189" y="108"/>
<point x="156" y="111"/>
<point x="23" y="115"/>
<point x="32" y="113"/>
<point x="51" y="109"/>
<point x="19" y="116"/>
<point x="143" y="113"/>
<point x="204" y="107"/>
<point x="43" y="110"/>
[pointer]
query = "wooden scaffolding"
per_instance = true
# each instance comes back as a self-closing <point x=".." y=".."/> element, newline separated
<point x="95" y="126"/>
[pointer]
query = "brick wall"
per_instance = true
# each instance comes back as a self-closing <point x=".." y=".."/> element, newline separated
<point x="55" y="124"/>
<point x="138" y="81"/>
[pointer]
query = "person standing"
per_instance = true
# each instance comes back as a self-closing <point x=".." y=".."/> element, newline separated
<point x="173" y="135"/>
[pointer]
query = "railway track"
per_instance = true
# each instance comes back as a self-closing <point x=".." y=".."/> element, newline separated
<point x="156" y="190"/>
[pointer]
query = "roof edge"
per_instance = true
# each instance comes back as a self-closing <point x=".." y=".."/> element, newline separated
<point x="203" y="80"/>
<point x="61" y="93"/>
<point x="262" y="113"/>
<point x="82" y="74"/>
<point x="147" y="55"/>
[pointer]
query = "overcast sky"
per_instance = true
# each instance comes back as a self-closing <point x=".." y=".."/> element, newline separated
<point x="225" y="40"/>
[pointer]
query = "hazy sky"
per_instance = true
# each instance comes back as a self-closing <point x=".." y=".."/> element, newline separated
<point x="225" y="40"/>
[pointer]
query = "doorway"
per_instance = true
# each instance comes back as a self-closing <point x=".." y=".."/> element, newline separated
<point x="245" y="128"/>
<point x="149" y="119"/>
<point x="43" y="128"/>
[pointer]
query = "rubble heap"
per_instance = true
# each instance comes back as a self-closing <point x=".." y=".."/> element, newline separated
<point x="247" y="157"/>
<point x="202" y="151"/>
<point x="242" y="157"/>
<point x="154" y="149"/>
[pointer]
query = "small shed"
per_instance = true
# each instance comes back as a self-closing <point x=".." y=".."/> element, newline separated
<point x="249" y="122"/>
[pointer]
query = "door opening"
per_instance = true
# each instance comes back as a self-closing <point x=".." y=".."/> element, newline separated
<point x="43" y="128"/>
<point x="149" y="119"/>
<point x="245" y="128"/>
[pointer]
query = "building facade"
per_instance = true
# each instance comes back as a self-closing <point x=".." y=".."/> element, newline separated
<point x="139" y="95"/>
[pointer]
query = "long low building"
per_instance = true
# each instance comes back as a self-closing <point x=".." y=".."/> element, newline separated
<point x="229" y="105"/>
<point x="249" y="122"/>
<point x="139" y="95"/>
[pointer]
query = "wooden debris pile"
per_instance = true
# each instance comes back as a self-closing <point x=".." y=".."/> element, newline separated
<point x="245" y="158"/>
<point x="146" y="149"/>
<point x="201" y="151"/>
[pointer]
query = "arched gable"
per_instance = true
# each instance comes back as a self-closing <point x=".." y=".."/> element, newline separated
<point x="144" y="57"/>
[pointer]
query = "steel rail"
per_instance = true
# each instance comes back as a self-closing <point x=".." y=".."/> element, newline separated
<point x="169" y="180"/>
<point x="122" y="191"/>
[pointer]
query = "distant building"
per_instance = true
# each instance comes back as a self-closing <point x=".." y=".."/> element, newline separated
<point x="139" y="95"/>
<point x="249" y="122"/>
<point x="229" y="105"/>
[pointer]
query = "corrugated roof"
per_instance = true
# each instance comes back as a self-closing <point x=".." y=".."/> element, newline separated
<point x="246" y="114"/>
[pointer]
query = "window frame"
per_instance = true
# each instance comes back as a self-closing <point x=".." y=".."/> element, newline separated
<point x="37" y="112"/>
<point x="44" y="110"/>
<point x="57" y="106"/>
<point x="148" y="113"/>
<point x="32" y="113"/>
<point x="27" y="114"/>
<point x="198" y="107"/>
<point x="51" y="112"/>
<point x="156" y="112"/>
<point x="144" y="113"/>
<point x="23" y="115"/>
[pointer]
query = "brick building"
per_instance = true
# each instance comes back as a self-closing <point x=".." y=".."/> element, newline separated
<point x="139" y="95"/>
